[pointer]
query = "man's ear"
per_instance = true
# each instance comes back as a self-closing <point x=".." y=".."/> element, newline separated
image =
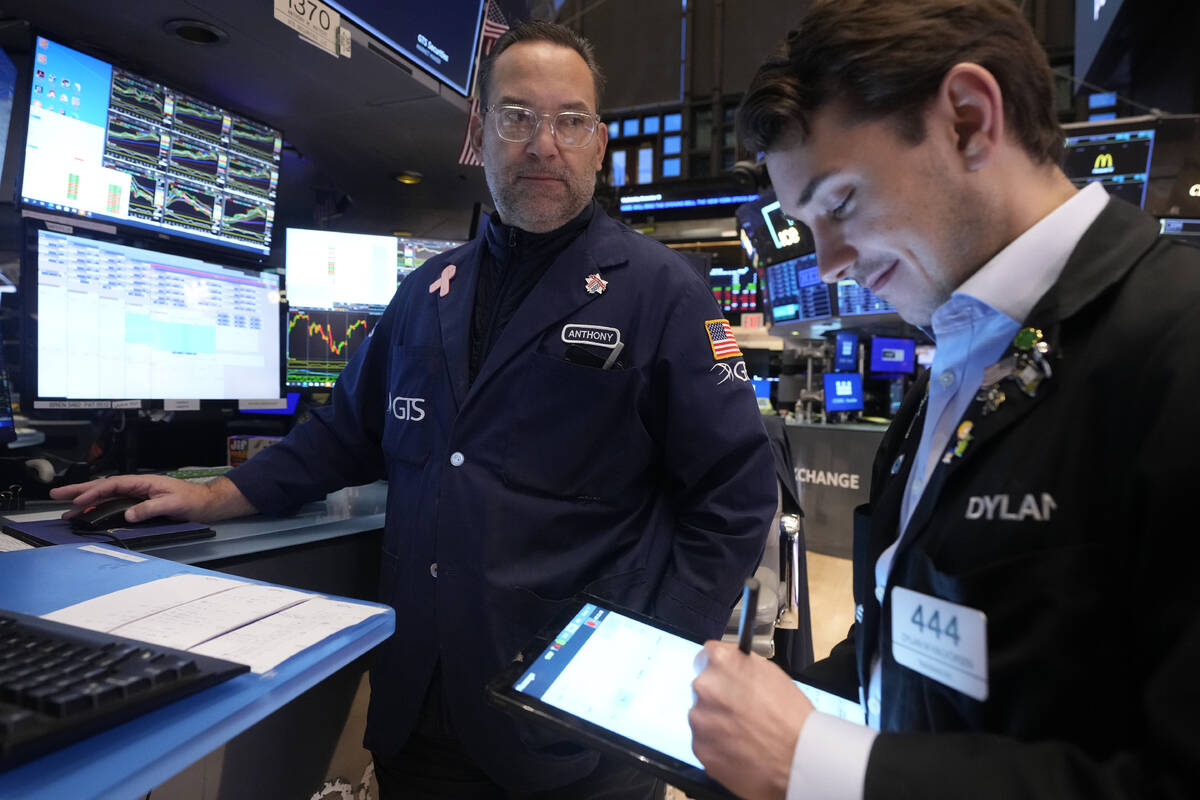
<point x="971" y="102"/>
<point x="602" y="137"/>
<point x="476" y="131"/>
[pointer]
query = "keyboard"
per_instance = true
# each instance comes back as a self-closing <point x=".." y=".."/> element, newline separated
<point x="60" y="683"/>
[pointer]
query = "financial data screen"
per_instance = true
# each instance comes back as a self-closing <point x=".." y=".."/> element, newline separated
<point x="123" y="323"/>
<point x="338" y="286"/>
<point x="113" y="145"/>
<point x="854" y="299"/>
<point x="797" y="292"/>
<point x="413" y="252"/>
<point x="735" y="289"/>
<point x="1120" y="160"/>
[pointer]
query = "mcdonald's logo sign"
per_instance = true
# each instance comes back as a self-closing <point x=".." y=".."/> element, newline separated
<point x="1103" y="164"/>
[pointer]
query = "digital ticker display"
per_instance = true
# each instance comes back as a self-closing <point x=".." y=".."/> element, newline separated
<point x="113" y="145"/>
<point x="1120" y="160"/>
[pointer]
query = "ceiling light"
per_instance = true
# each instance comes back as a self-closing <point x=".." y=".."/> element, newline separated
<point x="409" y="177"/>
<point x="194" y="31"/>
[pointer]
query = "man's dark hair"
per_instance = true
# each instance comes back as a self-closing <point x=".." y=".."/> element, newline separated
<point x="887" y="58"/>
<point x="537" y="30"/>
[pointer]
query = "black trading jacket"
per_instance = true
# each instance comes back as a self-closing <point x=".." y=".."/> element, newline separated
<point x="1067" y="521"/>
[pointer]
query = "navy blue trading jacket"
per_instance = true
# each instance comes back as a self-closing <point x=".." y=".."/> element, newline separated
<point x="650" y="483"/>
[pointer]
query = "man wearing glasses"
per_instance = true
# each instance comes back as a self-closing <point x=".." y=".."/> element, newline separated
<point x="557" y="407"/>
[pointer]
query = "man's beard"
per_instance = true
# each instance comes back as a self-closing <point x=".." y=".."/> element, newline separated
<point x="523" y="206"/>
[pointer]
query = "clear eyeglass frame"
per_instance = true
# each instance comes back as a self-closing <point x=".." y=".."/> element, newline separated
<point x="561" y="124"/>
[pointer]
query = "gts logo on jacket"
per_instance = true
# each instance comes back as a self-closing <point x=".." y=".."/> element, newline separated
<point x="409" y="409"/>
<point x="1001" y="506"/>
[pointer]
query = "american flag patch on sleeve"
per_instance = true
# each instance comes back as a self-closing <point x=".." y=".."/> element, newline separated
<point x="720" y="336"/>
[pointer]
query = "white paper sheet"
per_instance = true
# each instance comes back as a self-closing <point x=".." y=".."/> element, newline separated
<point x="189" y="624"/>
<point x="109" y="611"/>
<point x="8" y="544"/>
<point x="270" y="641"/>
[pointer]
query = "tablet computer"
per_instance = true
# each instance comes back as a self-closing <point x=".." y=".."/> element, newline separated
<point x="621" y="682"/>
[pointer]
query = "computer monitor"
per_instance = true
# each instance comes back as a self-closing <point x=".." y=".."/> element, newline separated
<point x="115" y="146"/>
<point x="441" y="38"/>
<point x="111" y="325"/>
<point x="845" y="352"/>
<point x="412" y="252"/>
<point x="1119" y="159"/>
<point x="843" y="391"/>
<point x="8" y="86"/>
<point x="338" y="286"/>
<point x="854" y="300"/>
<point x="736" y="289"/>
<point x="892" y="355"/>
<point x="796" y="292"/>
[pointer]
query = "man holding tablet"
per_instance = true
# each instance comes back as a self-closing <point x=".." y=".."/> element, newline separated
<point x="1027" y="619"/>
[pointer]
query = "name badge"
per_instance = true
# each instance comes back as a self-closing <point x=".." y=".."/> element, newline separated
<point x="599" y="335"/>
<point x="941" y="640"/>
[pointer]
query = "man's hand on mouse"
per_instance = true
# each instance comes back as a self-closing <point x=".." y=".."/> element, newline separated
<point x="165" y="497"/>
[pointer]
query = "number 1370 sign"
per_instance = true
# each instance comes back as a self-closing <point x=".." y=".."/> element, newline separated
<point x="313" y="20"/>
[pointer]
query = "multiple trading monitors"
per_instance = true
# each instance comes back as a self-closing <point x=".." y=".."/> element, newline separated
<point x="338" y="286"/>
<point x="110" y="325"/>
<point x="112" y="145"/>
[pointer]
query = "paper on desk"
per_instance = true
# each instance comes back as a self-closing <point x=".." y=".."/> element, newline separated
<point x="269" y="642"/>
<point x="187" y="625"/>
<point x="112" y="610"/>
<point x="34" y="516"/>
<point x="8" y="544"/>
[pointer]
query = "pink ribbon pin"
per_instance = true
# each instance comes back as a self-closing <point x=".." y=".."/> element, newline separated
<point x="442" y="284"/>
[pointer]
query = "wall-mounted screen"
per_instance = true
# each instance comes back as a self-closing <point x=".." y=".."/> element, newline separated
<point x="1120" y="160"/>
<point x="110" y="322"/>
<point x="845" y="352"/>
<point x="843" y="391"/>
<point x="735" y="290"/>
<point x="797" y="292"/>
<point x="892" y="356"/>
<point x="112" y="145"/>
<point x="441" y="37"/>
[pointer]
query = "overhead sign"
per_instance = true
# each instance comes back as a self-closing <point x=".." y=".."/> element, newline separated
<point x="317" y="23"/>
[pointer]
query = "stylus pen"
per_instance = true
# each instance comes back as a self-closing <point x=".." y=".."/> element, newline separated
<point x="746" y="622"/>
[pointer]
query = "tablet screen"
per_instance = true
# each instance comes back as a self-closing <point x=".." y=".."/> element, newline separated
<point x="633" y="679"/>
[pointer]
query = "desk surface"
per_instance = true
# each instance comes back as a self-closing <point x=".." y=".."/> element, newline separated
<point x="131" y="759"/>
<point x="357" y="509"/>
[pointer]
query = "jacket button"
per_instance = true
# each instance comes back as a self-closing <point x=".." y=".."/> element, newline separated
<point x="879" y="594"/>
<point x="457" y="459"/>
<point x="433" y="569"/>
<point x="858" y="613"/>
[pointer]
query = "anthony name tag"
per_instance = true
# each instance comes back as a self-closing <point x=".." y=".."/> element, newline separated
<point x="941" y="640"/>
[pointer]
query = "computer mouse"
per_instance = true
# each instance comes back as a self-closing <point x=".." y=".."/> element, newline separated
<point x="105" y="514"/>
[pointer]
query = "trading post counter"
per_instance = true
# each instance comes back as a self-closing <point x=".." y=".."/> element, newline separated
<point x="833" y="475"/>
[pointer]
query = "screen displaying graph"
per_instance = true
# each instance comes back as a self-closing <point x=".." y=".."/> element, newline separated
<point x="320" y="342"/>
<point x="173" y="163"/>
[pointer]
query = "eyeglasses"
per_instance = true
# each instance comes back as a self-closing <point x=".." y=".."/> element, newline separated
<point x="520" y="124"/>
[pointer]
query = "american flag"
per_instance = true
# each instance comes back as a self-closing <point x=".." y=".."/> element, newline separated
<point x="494" y="26"/>
<point x="720" y="335"/>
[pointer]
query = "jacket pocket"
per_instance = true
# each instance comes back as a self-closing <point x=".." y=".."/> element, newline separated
<point x="577" y="432"/>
